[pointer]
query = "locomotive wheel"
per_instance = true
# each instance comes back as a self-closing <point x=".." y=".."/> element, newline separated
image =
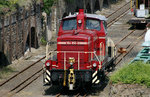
<point x="103" y="76"/>
<point x="111" y="67"/>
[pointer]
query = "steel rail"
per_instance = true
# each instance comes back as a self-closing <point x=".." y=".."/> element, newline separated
<point x="118" y="9"/>
<point x="85" y="95"/>
<point x="58" y="95"/>
<point x="42" y="58"/>
<point x="26" y="80"/>
<point x="14" y="91"/>
<point x="116" y="19"/>
<point x="33" y="65"/>
<point x="21" y="71"/>
<point x="118" y="16"/>
<point x="139" y="39"/>
<point x="77" y="95"/>
<point x="129" y="49"/>
<point x="125" y="37"/>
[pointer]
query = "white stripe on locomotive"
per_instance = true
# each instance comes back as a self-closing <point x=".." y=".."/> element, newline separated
<point x="95" y="78"/>
<point x="94" y="73"/>
<point x="47" y="78"/>
<point x="97" y="82"/>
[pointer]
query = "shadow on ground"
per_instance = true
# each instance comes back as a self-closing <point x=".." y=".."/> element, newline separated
<point x="94" y="91"/>
<point x="138" y="27"/>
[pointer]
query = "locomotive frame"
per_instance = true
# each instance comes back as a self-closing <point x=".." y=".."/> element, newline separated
<point x="83" y="53"/>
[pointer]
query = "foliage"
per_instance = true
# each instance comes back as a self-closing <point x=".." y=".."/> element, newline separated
<point x="43" y="41"/>
<point x="7" y="6"/>
<point x="47" y="5"/>
<point x="135" y="73"/>
<point x="5" y="70"/>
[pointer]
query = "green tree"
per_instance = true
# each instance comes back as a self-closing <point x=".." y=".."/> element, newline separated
<point x="47" y="5"/>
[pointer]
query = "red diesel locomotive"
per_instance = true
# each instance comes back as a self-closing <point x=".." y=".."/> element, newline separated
<point x="83" y="52"/>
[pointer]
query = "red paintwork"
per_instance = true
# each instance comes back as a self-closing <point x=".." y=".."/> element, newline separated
<point x="72" y="38"/>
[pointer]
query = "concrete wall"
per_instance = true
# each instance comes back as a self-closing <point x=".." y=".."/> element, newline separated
<point x="15" y="29"/>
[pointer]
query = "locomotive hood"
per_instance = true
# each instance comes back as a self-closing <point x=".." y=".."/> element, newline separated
<point x="77" y="38"/>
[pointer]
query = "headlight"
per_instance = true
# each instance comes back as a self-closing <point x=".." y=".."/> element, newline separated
<point x="47" y="64"/>
<point x="94" y="65"/>
<point x="79" y="21"/>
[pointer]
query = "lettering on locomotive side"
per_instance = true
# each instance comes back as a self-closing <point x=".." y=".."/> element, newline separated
<point x="74" y="43"/>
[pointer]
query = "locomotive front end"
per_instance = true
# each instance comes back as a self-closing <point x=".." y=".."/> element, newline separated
<point x="81" y="55"/>
<point x="73" y="67"/>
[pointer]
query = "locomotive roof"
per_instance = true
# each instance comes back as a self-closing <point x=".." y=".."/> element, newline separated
<point x="100" y="17"/>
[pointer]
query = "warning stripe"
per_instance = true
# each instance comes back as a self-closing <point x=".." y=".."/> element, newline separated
<point x="95" y="78"/>
<point x="47" y="77"/>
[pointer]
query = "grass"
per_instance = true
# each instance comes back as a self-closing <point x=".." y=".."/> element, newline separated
<point x="135" y="73"/>
<point x="4" y="71"/>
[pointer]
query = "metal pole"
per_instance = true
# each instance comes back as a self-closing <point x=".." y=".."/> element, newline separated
<point x="148" y="4"/>
<point x="78" y="61"/>
<point x="136" y="4"/>
<point x="131" y="6"/>
<point x="64" y="60"/>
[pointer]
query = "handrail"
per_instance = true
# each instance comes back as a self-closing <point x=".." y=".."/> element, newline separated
<point x="78" y="52"/>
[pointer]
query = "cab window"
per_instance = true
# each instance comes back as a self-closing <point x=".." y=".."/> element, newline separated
<point x="70" y="24"/>
<point x="93" y="24"/>
<point x="105" y="26"/>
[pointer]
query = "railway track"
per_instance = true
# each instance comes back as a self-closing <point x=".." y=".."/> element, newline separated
<point x="129" y="47"/>
<point x="30" y="74"/>
<point x="116" y="15"/>
<point x="21" y="80"/>
<point x="27" y="81"/>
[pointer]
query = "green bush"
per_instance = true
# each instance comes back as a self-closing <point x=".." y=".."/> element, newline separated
<point x="135" y="73"/>
<point x="47" y="5"/>
<point x="43" y="41"/>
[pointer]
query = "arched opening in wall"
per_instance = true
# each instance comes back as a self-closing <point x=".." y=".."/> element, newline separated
<point x="64" y="15"/>
<point x="105" y="3"/>
<point x="97" y="6"/>
<point x="113" y="1"/>
<point x="3" y="60"/>
<point x="88" y="8"/>
<point x="33" y="40"/>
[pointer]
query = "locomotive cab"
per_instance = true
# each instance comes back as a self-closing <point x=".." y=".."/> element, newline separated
<point x="82" y="52"/>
